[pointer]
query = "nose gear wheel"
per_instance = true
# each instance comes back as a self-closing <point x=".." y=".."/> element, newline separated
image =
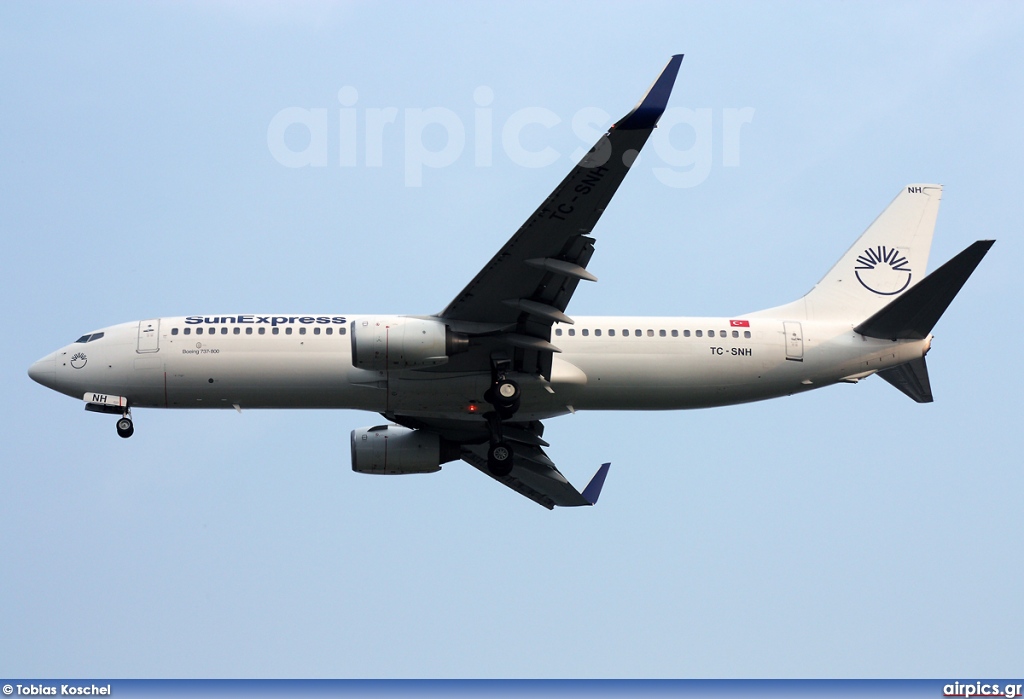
<point x="125" y="428"/>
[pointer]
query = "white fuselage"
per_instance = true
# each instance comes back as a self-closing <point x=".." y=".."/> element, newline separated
<point x="606" y="363"/>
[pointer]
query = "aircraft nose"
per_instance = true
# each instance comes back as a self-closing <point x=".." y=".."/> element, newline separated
<point x="45" y="371"/>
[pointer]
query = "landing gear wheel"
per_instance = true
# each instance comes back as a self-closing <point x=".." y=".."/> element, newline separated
<point x="499" y="459"/>
<point x="125" y="428"/>
<point x="506" y="391"/>
<point x="504" y="395"/>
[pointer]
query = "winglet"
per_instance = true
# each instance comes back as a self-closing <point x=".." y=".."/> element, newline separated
<point x="649" y="109"/>
<point x="593" y="490"/>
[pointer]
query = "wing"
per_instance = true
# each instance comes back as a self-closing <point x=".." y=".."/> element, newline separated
<point x="533" y="473"/>
<point x="510" y="305"/>
<point x="508" y="308"/>
<point x="535" y="476"/>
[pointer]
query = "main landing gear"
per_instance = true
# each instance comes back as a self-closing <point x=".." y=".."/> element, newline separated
<point x="125" y="428"/>
<point x="499" y="459"/>
<point x="504" y="394"/>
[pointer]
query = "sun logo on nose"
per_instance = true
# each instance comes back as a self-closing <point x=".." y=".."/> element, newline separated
<point x="78" y="361"/>
<point x="883" y="270"/>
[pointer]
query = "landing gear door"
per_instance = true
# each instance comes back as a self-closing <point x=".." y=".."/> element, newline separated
<point x="794" y="341"/>
<point x="149" y="336"/>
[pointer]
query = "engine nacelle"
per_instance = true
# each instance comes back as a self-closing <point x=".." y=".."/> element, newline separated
<point x="390" y="449"/>
<point x="394" y="342"/>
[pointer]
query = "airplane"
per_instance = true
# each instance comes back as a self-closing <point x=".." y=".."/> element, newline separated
<point x="476" y="380"/>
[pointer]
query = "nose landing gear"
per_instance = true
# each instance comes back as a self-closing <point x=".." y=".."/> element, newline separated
<point x="125" y="427"/>
<point x="113" y="405"/>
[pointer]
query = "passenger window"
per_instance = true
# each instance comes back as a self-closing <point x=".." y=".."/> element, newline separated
<point x="611" y="333"/>
<point x="625" y="333"/>
<point x="698" y="333"/>
<point x="199" y="331"/>
<point x="558" y="332"/>
<point x="661" y="333"/>
<point x="174" y="331"/>
<point x="238" y="330"/>
<point x="287" y="331"/>
<point x="597" y="333"/>
<point x="248" y="331"/>
<point x="735" y="333"/>
<point x="263" y="331"/>
<point x="586" y="332"/>
<point x="675" y="333"/>
<point x="341" y="330"/>
<point x="276" y="331"/>
<point x="650" y="333"/>
<point x="746" y="333"/>
<point x="302" y="331"/>
<point x="572" y="332"/>
<point x="329" y="331"/>
<point x="637" y="332"/>
<point x="316" y="331"/>
<point x="187" y="330"/>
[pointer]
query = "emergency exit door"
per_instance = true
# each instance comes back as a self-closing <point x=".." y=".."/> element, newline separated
<point x="794" y="340"/>
<point x="149" y="336"/>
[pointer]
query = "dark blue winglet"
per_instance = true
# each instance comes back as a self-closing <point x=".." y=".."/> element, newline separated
<point x="645" y="115"/>
<point x="593" y="490"/>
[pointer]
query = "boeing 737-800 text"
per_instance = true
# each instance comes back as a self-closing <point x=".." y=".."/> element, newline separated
<point x="475" y="381"/>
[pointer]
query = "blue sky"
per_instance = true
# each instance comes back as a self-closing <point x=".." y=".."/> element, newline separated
<point x="848" y="532"/>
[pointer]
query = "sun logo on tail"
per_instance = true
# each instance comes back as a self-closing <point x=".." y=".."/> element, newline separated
<point x="883" y="270"/>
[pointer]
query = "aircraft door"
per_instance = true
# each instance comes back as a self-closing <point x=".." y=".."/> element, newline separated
<point x="794" y="340"/>
<point x="149" y="336"/>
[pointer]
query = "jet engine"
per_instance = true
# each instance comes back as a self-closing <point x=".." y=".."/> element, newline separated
<point x="395" y="342"/>
<point x="390" y="449"/>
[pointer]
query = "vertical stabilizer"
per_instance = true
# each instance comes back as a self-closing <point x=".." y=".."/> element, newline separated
<point x="889" y="258"/>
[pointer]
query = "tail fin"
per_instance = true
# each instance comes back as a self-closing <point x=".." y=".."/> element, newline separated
<point x="889" y="258"/>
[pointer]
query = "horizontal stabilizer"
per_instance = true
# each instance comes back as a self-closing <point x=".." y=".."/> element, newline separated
<point x="912" y="315"/>
<point x="911" y="378"/>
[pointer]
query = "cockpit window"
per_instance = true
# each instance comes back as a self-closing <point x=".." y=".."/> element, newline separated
<point x="89" y="338"/>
